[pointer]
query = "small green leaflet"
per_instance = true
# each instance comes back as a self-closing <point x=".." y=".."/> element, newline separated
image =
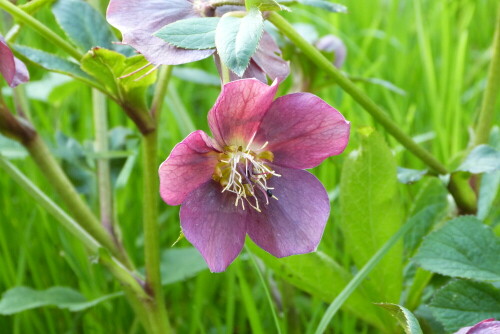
<point x="404" y="317"/>
<point x="237" y="39"/>
<point x="194" y="33"/>
<point x="324" y="4"/>
<point x="51" y="62"/>
<point x="482" y="159"/>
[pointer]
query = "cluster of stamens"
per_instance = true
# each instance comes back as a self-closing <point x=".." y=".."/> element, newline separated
<point x="244" y="173"/>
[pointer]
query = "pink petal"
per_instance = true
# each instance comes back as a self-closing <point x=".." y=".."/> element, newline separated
<point x="268" y="58"/>
<point x="488" y="326"/>
<point x="138" y="20"/>
<point x="12" y="69"/>
<point x="239" y="110"/>
<point x="214" y="225"/>
<point x="302" y="131"/>
<point x="295" y="222"/>
<point x="191" y="163"/>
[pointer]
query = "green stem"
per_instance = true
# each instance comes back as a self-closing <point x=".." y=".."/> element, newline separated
<point x="134" y="291"/>
<point x="357" y="94"/>
<point x="487" y="113"/>
<point x="43" y="30"/>
<point x="164" y="76"/>
<point x="377" y="113"/>
<point x="159" y="316"/>
<point x="85" y="218"/>
<point x="360" y="276"/>
<point x="103" y="168"/>
<point x="152" y="235"/>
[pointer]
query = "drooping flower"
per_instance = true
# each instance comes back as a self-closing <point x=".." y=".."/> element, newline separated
<point x="331" y="43"/>
<point x="138" y="20"/>
<point x="249" y="178"/>
<point x="488" y="326"/>
<point x="12" y="69"/>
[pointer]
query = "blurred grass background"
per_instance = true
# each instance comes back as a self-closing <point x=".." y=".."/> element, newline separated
<point x="435" y="51"/>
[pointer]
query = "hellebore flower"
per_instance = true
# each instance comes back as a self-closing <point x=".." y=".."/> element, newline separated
<point x="331" y="43"/>
<point x="138" y="20"/>
<point x="488" y="326"/>
<point x="12" y="69"/>
<point x="249" y="179"/>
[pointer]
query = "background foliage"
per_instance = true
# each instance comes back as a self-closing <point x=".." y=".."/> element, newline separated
<point x="423" y="61"/>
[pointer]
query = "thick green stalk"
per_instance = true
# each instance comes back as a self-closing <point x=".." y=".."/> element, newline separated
<point x="152" y="233"/>
<point x="133" y="289"/>
<point x="159" y="316"/>
<point x="360" y="276"/>
<point x="487" y="113"/>
<point x="43" y="30"/>
<point x="81" y="212"/>
<point x="467" y="203"/>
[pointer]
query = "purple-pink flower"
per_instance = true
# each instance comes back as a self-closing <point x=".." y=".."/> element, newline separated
<point x="249" y="178"/>
<point x="12" y="69"/>
<point x="488" y="326"/>
<point x="138" y="20"/>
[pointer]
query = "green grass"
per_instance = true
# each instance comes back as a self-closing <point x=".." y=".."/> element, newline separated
<point x="436" y="51"/>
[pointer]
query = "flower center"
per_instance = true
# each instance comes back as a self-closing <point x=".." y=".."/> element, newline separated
<point x="244" y="173"/>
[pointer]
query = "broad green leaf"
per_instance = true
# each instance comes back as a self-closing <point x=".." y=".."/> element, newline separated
<point x="325" y="4"/>
<point x="429" y="207"/>
<point x="464" y="247"/>
<point x="237" y="39"/>
<point x="51" y="62"/>
<point x="490" y="183"/>
<point x="84" y="25"/>
<point x="404" y="317"/>
<point x="482" y="159"/>
<point x="179" y="264"/>
<point x="371" y="212"/>
<point x="319" y="275"/>
<point x="194" y="33"/>
<point x="22" y="298"/>
<point x="464" y="303"/>
<point x="406" y="175"/>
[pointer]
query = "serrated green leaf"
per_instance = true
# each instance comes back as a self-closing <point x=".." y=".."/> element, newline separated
<point x="179" y="264"/>
<point x="237" y="39"/>
<point x="194" y="33"/>
<point x="51" y="62"/>
<point x="326" y="5"/>
<point x="371" y="212"/>
<point x="464" y="303"/>
<point x="21" y="298"/>
<point x="429" y="207"/>
<point x="404" y="317"/>
<point x="482" y="159"/>
<point x="319" y="275"/>
<point x="464" y="247"/>
<point x="84" y="25"/>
